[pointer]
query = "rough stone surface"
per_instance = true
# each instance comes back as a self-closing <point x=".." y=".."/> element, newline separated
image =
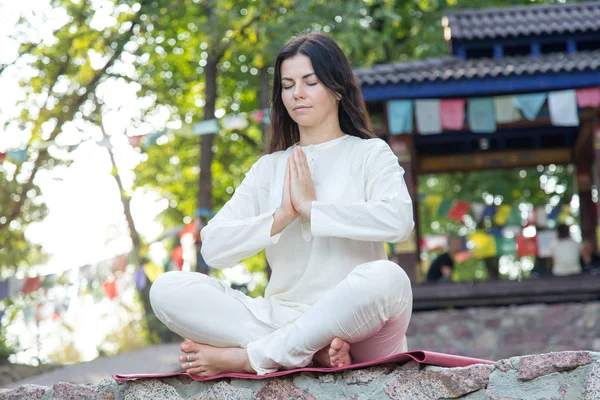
<point x="543" y="364"/>
<point x="566" y="375"/>
<point x="592" y="389"/>
<point x="282" y="389"/>
<point x="69" y="391"/>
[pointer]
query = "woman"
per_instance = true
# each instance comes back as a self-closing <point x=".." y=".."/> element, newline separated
<point x="322" y="203"/>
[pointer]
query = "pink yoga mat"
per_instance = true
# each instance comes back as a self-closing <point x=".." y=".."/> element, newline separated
<point x="420" y="356"/>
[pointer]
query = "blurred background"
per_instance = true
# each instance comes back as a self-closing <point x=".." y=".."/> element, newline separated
<point x="125" y="125"/>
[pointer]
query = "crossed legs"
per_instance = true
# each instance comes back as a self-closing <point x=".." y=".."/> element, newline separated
<point x="364" y="317"/>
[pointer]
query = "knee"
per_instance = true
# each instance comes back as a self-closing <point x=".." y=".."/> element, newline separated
<point x="391" y="277"/>
<point x="163" y="288"/>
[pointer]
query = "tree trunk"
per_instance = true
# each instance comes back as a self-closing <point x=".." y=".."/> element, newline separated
<point x="204" y="199"/>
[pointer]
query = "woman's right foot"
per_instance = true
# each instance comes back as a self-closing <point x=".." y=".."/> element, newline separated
<point x="337" y="354"/>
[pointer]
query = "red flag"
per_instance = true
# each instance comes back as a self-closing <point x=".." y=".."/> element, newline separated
<point x="110" y="289"/>
<point x="452" y="113"/>
<point x="258" y="116"/>
<point x="119" y="263"/>
<point x="178" y="257"/>
<point x="31" y="284"/>
<point x="2" y="156"/>
<point x="460" y="209"/>
<point x="135" y="140"/>
<point x="192" y="228"/>
<point x="526" y="246"/>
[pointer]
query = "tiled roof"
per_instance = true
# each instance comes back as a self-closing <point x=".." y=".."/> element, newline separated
<point x="524" y="21"/>
<point x="455" y="68"/>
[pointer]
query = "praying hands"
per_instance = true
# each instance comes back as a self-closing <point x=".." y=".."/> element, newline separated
<point x="298" y="192"/>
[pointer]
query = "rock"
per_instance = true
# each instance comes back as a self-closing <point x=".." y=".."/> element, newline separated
<point x="29" y="392"/>
<point x="282" y="389"/>
<point x="542" y="364"/>
<point x="69" y="391"/>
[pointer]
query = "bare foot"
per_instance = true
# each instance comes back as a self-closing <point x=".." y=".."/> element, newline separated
<point x="205" y="360"/>
<point x="337" y="354"/>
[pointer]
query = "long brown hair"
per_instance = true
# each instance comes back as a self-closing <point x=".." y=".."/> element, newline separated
<point x="333" y="70"/>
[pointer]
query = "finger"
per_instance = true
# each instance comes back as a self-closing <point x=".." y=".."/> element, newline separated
<point x="298" y="161"/>
<point x="304" y="164"/>
<point x="293" y="166"/>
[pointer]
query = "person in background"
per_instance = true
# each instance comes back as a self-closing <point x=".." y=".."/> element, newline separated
<point x="589" y="260"/>
<point x="441" y="268"/>
<point x="565" y="253"/>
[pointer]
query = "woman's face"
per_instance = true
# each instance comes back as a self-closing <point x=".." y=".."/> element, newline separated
<point x="308" y="102"/>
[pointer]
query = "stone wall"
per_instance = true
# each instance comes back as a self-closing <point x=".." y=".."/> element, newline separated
<point x="503" y="332"/>
<point x="558" y="376"/>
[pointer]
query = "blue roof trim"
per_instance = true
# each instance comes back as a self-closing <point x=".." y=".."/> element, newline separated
<point x="482" y="87"/>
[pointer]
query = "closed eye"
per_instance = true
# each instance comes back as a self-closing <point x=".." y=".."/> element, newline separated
<point x="289" y="87"/>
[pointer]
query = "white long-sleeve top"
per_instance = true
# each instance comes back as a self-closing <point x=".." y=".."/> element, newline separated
<point x="362" y="202"/>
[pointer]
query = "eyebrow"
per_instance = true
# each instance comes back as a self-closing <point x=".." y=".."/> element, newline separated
<point x="290" y="79"/>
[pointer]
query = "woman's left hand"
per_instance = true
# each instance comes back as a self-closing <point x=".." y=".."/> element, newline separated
<point x="302" y="187"/>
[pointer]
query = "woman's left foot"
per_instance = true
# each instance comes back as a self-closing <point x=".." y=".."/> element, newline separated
<point x="337" y="354"/>
<point x="205" y="360"/>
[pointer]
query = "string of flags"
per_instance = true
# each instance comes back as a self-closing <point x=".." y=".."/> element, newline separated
<point x="482" y="245"/>
<point x="432" y="116"/>
<point x="107" y="279"/>
<point x="501" y="215"/>
<point x="206" y="127"/>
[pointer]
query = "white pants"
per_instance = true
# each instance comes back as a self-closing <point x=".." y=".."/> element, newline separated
<point x="370" y="309"/>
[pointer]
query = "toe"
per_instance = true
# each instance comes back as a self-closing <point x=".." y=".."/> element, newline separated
<point x="337" y="344"/>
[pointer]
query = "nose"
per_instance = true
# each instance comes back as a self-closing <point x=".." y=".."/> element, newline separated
<point x="298" y="92"/>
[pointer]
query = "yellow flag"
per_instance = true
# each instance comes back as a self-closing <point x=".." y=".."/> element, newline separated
<point x="565" y="212"/>
<point x="502" y="214"/>
<point x="484" y="245"/>
<point x="433" y="202"/>
<point x="152" y="271"/>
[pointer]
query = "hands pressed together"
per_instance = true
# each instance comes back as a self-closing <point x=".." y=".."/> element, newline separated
<point x="298" y="191"/>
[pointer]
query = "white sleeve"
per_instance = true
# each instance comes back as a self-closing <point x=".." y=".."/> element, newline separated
<point x="385" y="216"/>
<point x="238" y="230"/>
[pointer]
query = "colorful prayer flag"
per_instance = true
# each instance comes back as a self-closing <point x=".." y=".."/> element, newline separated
<point x="444" y="208"/>
<point x="530" y="104"/>
<point x="152" y="271"/>
<point x="588" y="97"/>
<point x="489" y="212"/>
<point x="459" y="210"/>
<point x="135" y="140"/>
<point x="563" y="108"/>
<point x="140" y="279"/>
<point x="258" y="115"/>
<point x="17" y="156"/>
<point x="526" y="246"/>
<point x="502" y="214"/>
<point x="482" y="245"/>
<point x="3" y="289"/>
<point x="506" y="246"/>
<point x="480" y="113"/>
<point x="31" y="284"/>
<point x="452" y="113"/>
<point x="177" y="256"/>
<point x="234" y="122"/>
<point x="432" y="202"/>
<point x="110" y="289"/>
<point x="427" y="115"/>
<point x="205" y="127"/>
<point x="400" y="116"/>
<point x="505" y="110"/>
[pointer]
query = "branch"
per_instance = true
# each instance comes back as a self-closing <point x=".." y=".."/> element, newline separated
<point x="64" y="117"/>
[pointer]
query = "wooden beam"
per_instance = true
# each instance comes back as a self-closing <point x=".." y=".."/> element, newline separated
<point x="550" y="289"/>
<point x="494" y="160"/>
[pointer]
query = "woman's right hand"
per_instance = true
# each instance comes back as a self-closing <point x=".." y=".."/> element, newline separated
<point x="287" y="206"/>
<point x="286" y="213"/>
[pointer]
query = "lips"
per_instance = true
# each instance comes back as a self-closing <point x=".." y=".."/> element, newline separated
<point x="297" y="108"/>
